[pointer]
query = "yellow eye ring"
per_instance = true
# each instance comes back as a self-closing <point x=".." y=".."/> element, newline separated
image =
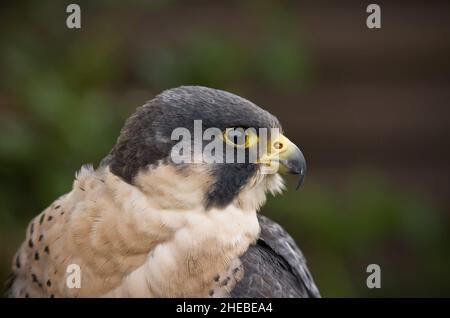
<point x="240" y="138"/>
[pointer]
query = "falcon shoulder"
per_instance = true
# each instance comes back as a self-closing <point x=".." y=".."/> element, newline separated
<point x="274" y="267"/>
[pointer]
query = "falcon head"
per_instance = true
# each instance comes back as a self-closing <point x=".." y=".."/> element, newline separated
<point x="236" y="157"/>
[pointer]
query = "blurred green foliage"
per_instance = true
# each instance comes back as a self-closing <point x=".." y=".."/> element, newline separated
<point x="367" y="221"/>
<point x="64" y="96"/>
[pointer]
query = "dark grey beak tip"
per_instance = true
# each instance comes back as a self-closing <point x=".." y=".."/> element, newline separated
<point x="297" y="165"/>
<point x="301" y="178"/>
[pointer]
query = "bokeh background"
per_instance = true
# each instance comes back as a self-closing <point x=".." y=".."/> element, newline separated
<point x="369" y="108"/>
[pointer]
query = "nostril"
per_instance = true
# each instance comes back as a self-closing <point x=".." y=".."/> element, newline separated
<point x="278" y="145"/>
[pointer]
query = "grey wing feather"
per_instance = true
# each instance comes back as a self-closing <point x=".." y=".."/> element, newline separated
<point x="274" y="267"/>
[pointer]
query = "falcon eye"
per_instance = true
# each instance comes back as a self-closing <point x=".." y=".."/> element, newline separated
<point x="238" y="137"/>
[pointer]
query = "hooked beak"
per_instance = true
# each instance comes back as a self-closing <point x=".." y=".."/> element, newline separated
<point x="293" y="162"/>
<point x="287" y="158"/>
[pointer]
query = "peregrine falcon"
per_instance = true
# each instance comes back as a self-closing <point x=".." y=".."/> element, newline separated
<point x="143" y="224"/>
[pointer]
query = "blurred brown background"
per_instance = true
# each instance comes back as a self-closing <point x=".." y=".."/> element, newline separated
<point x="369" y="108"/>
